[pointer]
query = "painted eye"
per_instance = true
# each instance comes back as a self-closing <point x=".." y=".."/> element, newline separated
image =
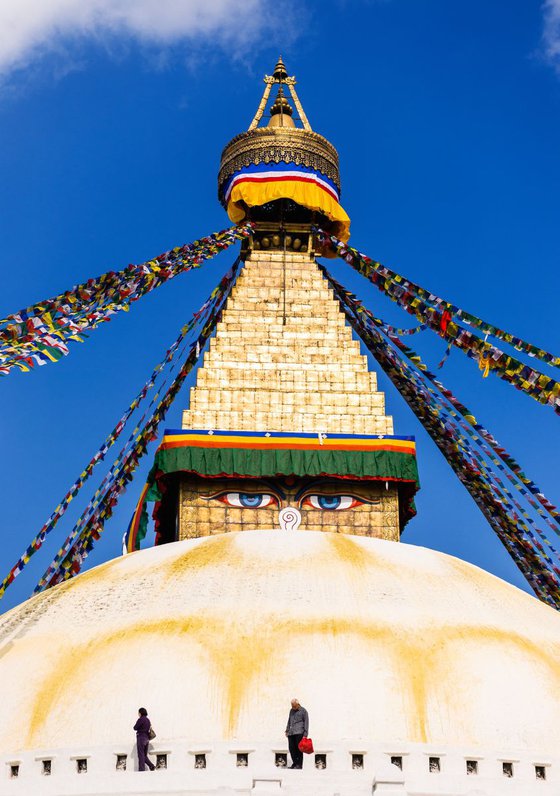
<point x="331" y="502"/>
<point x="247" y="500"/>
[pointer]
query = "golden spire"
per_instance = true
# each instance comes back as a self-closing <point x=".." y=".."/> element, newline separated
<point x="281" y="112"/>
<point x="284" y="138"/>
<point x="280" y="77"/>
<point x="280" y="72"/>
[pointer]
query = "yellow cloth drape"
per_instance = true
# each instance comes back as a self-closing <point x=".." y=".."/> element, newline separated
<point x="304" y="193"/>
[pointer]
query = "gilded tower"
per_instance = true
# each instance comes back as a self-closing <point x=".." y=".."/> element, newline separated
<point x="283" y="368"/>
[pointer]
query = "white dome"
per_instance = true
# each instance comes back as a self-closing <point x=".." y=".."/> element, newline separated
<point x="378" y="640"/>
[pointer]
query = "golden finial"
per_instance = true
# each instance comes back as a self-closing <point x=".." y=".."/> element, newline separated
<point x="280" y="76"/>
<point x="280" y="72"/>
<point x="280" y="140"/>
<point x="281" y="112"/>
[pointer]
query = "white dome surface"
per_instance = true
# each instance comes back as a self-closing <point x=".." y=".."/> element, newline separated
<point x="378" y="640"/>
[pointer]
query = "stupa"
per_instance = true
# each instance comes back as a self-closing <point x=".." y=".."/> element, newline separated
<point x="278" y="569"/>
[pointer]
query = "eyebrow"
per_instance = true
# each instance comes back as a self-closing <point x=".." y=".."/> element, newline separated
<point x="314" y="488"/>
<point x="251" y="489"/>
<point x="310" y="486"/>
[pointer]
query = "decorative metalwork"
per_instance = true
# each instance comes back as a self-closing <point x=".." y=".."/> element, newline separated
<point x="260" y="110"/>
<point x="277" y="145"/>
<point x="280" y="77"/>
<point x="291" y="83"/>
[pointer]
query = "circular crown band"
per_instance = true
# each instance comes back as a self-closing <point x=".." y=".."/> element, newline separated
<point x="277" y="145"/>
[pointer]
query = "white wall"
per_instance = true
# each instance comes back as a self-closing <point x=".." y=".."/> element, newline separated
<point x="261" y="776"/>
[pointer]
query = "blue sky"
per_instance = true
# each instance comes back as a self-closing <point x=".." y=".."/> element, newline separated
<point x="113" y="116"/>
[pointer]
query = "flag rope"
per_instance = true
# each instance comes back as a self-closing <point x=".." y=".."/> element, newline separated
<point x="41" y="333"/>
<point x="443" y="317"/>
<point x="537" y="566"/>
<point x="527" y="487"/>
<point x="88" y="529"/>
<point x="162" y="372"/>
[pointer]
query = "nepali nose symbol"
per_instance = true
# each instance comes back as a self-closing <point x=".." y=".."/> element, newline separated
<point x="289" y="519"/>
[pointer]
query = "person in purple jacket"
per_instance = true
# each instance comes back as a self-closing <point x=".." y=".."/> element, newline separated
<point x="142" y="728"/>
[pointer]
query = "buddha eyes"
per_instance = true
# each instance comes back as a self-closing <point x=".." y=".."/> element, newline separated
<point x="260" y="500"/>
<point x="246" y="500"/>
<point x="331" y="502"/>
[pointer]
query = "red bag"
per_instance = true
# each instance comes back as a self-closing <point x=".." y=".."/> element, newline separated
<point x="306" y="746"/>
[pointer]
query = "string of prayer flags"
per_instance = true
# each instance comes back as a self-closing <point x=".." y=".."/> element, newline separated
<point x="406" y="332"/>
<point x="527" y="486"/>
<point x="454" y="434"/>
<point x="431" y="310"/>
<point x="41" y="333"/>
<point x="171" y="354"/>
<point x="499" y="457"/>
<point x="91" y="524"/>
<point x="344" y="251"/>
<point x="504" y="461"/>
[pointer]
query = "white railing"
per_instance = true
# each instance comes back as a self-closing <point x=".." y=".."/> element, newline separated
<point x="406" y="769"/>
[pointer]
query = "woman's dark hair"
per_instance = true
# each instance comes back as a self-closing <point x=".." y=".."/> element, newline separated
<point x="142" y="711"/>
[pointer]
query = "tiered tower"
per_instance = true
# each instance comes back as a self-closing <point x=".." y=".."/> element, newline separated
<point x="283" y="364"/>
<point x="283" y="358"/>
